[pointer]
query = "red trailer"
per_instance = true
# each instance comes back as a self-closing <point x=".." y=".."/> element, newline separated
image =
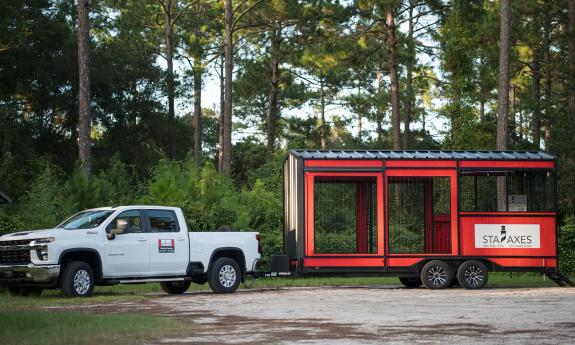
<point x="428" y="217"/>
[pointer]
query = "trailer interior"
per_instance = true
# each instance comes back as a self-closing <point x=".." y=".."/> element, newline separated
<point x="429" y="217"/>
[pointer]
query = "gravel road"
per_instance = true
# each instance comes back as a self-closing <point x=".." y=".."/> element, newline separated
<point x="369" y="315"/>
<point x="372" y="315"/>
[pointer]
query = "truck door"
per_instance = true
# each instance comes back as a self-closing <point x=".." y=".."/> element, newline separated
<point x="168" y="247"/>
<point x="127" y="254"/>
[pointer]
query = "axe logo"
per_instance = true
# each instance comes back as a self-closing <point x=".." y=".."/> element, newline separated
<point x="503" y="233"/>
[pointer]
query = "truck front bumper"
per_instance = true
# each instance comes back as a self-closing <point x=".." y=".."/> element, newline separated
<point x="14" y="275"/>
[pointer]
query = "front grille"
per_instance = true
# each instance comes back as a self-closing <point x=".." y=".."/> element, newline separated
<point x="10" y="255"/>
<point x="15" y="243"/>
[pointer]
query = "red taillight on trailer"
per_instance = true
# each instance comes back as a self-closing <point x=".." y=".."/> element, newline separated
<point x="260" y="249"/>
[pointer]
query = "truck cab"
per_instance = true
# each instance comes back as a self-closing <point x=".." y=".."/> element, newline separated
<point x="125" y="244"/>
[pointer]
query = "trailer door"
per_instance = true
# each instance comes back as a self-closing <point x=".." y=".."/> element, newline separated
<point x="421" y="212"/>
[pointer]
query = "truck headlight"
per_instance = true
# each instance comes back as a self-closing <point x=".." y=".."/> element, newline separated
<point x="44" y="240"/>
<point x="41" y="245"/>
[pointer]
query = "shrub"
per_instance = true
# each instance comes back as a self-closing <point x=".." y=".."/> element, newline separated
<point x="567" y="247"/>
<point x="45" y="202"/>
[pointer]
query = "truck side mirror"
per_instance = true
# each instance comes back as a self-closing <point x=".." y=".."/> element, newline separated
<point x="110" y="236"/>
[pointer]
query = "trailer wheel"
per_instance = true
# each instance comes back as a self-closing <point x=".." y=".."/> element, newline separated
<point x="411" y="282"/>
<point x="175" y="287"/>
<point x="472" y="274"/>
<point x="225" y="275"/>
<point x="436" y="274"/>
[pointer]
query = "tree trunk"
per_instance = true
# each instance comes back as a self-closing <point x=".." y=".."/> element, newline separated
<point x="548" y="78"/>
<point x="222" y="112"/>
<point x="322" y="111"/>
<point x="169" y="36"/>
<point x="273" y="93"/>
<point x="536" y="94"/>
<point x="198" y="109"/>
<point x="229" y="67"/>
<point x="359" y="113"/>
<point x="512" y="122"/>
<point x="409" y="77"/>
<point x="571" y="28"/>
<point x="391" y="46"/>
<point x="198" y="70"/>
<point x="84" y="113"/>
<point x="482" y="88"/>
<point x="503" y="102"/>
<point x="379" y="108"/>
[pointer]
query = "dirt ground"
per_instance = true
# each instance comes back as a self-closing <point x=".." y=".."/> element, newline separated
<point x="367" y="315"/>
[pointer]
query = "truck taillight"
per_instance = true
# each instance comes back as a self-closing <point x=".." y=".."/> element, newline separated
<point x="260" y="249"/>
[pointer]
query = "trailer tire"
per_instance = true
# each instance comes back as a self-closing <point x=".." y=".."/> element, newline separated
<point x="436" y="274"/>
<point x="472" y="275"/>
<point x="25" y="291"/>
<point x="411" y="282"/>
<point x="175" y="287"/>
<point x="77" y="280"/>
<point x="225" y="275"/>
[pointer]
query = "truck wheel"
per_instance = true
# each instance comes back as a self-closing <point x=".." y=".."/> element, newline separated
<point x="225" y="276"/>
<point x="77" y="280"/>
<point x="28" y="291"/>
<point x="472" y="274"/>
<point x="436" y="274"/>
<point x="175" y="287"/>
<point x="410" y="282"/>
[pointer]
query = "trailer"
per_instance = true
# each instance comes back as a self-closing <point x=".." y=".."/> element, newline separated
<point x="427" y="217"/>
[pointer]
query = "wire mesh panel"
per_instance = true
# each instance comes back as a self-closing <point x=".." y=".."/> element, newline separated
<point x="419" y="210"/>
<point x="345" y="215"/>
<point x="511" y="191"/>
<point x="406" y="215"/>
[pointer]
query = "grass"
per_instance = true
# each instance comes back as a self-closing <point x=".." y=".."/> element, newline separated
<point x="55" y="328"/>
<point x="127" y="293"/>
<point x="23" y="322"/>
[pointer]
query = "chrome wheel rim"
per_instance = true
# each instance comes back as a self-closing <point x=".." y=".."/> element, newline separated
<point x="82" y="282"/>
<point x="437" y="276"/>
<point x="474" y="276"/>
<point x="227" y="276"/>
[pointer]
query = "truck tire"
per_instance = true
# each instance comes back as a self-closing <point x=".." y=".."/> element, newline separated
<point x="175" y="287"/>
<point x="225" y="275"/>
<point x="77" y="280"/>
<point x="472" y="274"/>
<point x="436" y="274"/>
<point x="411" y="282"/>
<point x="27" y="291"/>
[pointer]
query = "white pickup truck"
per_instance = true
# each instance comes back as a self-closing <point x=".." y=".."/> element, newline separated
<point x="126" y="244"/>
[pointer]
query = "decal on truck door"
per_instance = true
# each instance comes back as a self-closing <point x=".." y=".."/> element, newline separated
<point x="507" y="235"/>
<point x="166" y="246"/>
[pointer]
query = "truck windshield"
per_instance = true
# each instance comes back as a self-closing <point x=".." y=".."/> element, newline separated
<point x="85" y="220"/>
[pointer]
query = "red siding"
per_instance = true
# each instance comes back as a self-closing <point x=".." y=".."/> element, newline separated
<point x="547" y="235"/>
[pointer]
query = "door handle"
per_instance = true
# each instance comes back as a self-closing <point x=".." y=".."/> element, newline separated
<point x="141" y="240"/>
<point x="180" y="238"/>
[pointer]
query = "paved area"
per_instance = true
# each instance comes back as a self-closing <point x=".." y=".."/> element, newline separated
<point x="370" y="315"/>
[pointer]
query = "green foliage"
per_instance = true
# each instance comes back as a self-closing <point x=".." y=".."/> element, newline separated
<point x="9" y="223"/>
<point x="567" y="247"/>
<point x="209" y="200"/>
<point x="46" y="203"/>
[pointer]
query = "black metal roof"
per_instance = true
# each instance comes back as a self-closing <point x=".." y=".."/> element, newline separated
<point x="457" y="155"/>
